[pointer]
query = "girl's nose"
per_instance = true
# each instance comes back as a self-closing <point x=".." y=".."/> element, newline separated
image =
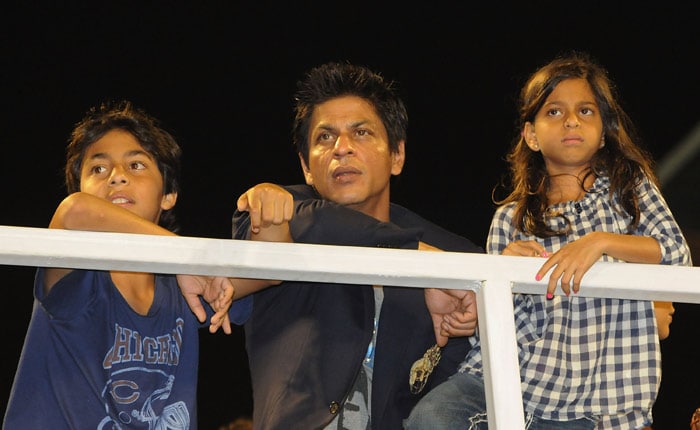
<point x="572" y="121"/>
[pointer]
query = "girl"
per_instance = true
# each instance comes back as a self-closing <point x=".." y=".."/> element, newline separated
<point x="582" y="191"/>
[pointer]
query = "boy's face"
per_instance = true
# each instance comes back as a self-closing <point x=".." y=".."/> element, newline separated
<point x="349" y="157"/>
<point x="116" y="168"/>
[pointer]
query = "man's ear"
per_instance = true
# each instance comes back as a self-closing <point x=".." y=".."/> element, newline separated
<point x="398" y="158"/>
<point x="168" y="201"/>
<point x="307" y="173"/>
<point x="530" y="137"/>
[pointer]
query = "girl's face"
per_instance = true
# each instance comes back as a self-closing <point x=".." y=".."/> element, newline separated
<point x="116" y="168"/>
<point x="568" y="128"/>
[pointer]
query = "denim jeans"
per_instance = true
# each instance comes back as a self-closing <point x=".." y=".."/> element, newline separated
<point x="460" y="403"/>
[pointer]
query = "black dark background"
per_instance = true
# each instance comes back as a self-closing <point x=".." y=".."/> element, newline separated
<point x="220" y="76"/>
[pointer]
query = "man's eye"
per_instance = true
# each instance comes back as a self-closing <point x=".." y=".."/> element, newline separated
<point x="325" y="137"/>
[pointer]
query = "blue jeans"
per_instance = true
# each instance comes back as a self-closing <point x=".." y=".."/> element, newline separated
<point x="460" y="403"/>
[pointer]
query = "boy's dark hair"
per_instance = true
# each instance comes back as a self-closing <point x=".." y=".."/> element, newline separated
<point x="122" y="115"/>
<point x="333" y="80"/>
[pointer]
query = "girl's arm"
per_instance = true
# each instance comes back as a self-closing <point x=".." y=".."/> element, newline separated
<point x="657" y="239"/>
<point x="572" y="261"/>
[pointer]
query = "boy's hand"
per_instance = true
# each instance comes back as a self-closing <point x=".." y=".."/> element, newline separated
<point x="217" y="291"/>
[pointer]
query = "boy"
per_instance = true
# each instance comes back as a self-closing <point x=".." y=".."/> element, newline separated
<point x="108" y="350"/>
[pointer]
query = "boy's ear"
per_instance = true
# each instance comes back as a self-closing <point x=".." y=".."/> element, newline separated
<point x="307" y="173"/>
<point x="168" y="201"/>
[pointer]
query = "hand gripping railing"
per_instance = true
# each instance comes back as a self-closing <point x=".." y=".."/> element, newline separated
<point x="494" y="278"/>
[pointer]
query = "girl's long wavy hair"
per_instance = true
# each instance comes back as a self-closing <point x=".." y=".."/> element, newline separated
<point x="621" y="159"/>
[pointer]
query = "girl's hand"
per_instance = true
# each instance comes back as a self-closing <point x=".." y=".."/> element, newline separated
<point x="525" y="248"/>
<point x="570" y="263"/>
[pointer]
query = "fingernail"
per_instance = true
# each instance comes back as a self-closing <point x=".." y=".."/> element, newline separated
<point x="538" y="277"/>
<point x="544" y="254"/>
<point x="550" y="296"/>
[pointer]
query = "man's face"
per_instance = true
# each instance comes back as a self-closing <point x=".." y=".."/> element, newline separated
<point x="349" y="158"/>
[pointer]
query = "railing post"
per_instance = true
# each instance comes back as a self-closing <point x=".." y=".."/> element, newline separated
<point x="504" y="405"/>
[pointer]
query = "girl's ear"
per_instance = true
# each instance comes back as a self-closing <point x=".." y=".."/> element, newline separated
<point x="530" y="137"/>
<point x="168" y="201"/>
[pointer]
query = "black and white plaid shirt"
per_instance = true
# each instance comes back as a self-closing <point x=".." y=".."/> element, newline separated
<point x="589" y="357"/>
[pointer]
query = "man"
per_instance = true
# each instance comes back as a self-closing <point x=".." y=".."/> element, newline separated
<point x="339" y="355"/>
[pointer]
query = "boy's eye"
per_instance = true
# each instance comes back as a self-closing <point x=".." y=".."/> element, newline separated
<point x="137" y="165"/>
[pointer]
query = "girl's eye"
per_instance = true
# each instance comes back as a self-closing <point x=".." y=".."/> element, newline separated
<point x="587" y="111"/>
<point x="98" y="169"/>
<point x="553" y="111"/>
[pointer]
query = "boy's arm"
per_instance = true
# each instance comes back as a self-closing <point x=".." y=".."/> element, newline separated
<point x="82" y="211"/>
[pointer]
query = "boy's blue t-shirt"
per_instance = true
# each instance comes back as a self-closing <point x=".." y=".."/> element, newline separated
<point x="90" y="361"/>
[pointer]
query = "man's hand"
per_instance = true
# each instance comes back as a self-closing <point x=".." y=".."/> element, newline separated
<point x="268" y="206"/>
<point x="453" y="313"/>
<point x="217" y="291"/>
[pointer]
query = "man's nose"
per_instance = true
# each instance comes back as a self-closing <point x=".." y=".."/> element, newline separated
<point x="344" y="144"/>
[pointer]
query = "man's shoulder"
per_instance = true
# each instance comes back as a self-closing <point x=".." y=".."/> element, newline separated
<point x="302" y="191"/>
<point x="433" y="234"/>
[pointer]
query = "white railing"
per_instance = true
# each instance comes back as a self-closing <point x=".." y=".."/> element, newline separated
<point x="494" y="278"/>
